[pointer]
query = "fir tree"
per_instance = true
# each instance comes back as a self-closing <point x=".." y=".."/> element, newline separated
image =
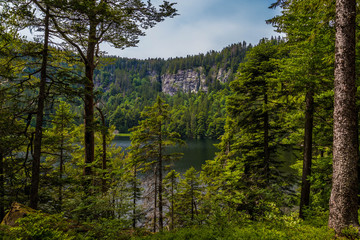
<point x="149" y="142"/>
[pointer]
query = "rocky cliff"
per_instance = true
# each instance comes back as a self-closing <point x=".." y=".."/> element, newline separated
<point x="190" y="80"/>
<point x="203" y="72"/>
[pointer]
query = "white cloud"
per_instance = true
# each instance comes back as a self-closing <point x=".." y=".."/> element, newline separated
<point x="204" y="25"/>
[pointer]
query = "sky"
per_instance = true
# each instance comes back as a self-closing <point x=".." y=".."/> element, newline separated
<point x="201" y="26"/>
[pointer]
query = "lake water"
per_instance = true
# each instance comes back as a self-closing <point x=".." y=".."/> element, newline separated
<point x="196" y="152"/>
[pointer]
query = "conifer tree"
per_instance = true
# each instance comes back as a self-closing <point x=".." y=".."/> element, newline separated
<point x="17" y="15"/>
<point x="248" y="162"/>
<point x="151" y="139"/>
<point x="119" y="23"/>
<point x="255" y="111"/>
<point x="171" y="183"/>
<point x="58" y="146"/>
<point x="308" y="72"/>
<point x="187" y="206"/>
<point x="135" y="164"/>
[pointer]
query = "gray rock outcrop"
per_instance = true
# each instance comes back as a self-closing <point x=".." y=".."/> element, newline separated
<point x="190" y="80"/>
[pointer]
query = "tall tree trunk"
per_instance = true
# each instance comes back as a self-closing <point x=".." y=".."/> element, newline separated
<point x="305" y="185"/>
<point x="161" y="223"/>
<point x="192" y="203"/>
<point x="89" y="105"/>
<point x="134" y="196"/>
<point x="172" y="205"/>
<point x="343" y="200"/>
<point x="266" y="139"/>
<point x="35" y="177"/>
<point x="61" y="169"/>
<point x="103" y="134"/>
<point x="2" y="188"/>
<point x="155" y="197"/>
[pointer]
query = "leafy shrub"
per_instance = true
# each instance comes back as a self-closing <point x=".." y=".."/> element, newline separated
<point x="41" y="226"/>
<point x="4" y="232"/>
<point x="350" y="233"/>
<point x="107" y="229"/>
<point x="286" y="228"/>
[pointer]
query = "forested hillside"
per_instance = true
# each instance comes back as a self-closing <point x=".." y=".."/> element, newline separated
<point x="195" y="87"/>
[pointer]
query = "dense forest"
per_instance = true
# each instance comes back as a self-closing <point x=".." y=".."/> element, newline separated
<point x="62" y="103"/>
<point x="127" y="86"/>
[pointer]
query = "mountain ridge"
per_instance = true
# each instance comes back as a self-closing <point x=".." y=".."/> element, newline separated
<point x="188" y="74"/>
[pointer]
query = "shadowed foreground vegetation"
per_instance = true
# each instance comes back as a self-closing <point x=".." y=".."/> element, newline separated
<point x="42" y="226"/>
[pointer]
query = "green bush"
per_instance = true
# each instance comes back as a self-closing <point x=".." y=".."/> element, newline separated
<point x="286" y="228"/>
<point x="272" y="227"/>
<point x="351" y="233"/>
<point x="4" y="232"/>
<point x="41" y="226"/>
<point x="106" y="229"/>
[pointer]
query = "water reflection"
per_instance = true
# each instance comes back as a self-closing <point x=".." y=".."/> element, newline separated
<point x="196" y="152"/>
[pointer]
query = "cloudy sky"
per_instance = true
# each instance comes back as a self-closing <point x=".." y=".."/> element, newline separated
<point x="203" y="25"/>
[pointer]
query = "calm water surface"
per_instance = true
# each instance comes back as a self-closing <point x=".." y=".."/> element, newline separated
<point x="196" y="152"/>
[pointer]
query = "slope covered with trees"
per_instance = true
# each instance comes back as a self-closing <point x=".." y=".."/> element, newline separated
<point x="126" y="86"/>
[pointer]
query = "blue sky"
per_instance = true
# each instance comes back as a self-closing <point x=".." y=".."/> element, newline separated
<point x="203" y="25"/>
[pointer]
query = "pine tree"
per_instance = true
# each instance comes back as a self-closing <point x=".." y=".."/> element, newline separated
<point x="171" y="188"/>
<point x="187" y="206"/>
<point x="308" y="73"/>
<point x="149" y="142"/>
<point x="58" y="146"/>
<point x="112" y="21"/>
<point x="247" y="168"/>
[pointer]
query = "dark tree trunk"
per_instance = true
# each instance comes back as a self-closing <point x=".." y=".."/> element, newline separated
<point x="343" y="200"/>
<point x="266" y="140"/>
<point x="161" y="224"/>
<point x="134" y="197"/>
<point x="172" y="205"/>
<point x="192" y="203"/>
<point x="2" y="188"/>
<point x="155" y="197"/>
<point x="61" y="165"/>
<point x="89" y="105"/>
<point x="35" y="177"/>
<point x="61" y="169"/>
<point x="103" y="133"/>
<point x="305" y="185"/>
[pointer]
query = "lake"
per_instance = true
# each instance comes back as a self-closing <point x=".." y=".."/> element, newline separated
<point x="196" y="152"/>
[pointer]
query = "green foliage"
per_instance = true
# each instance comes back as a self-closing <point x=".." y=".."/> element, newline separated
<point x="58" y="145"/>
<point x="105" y="229"/>
<point x="130" y="85"/>
<point x="171" y="188"/>
<point x="148" y="149"/>
<point x="188" y="204"/>
<point x="309" y="69"/>
<point x="150" y="138"/>
<point x="258" y="113"/>
<point x="351" y="232"/>
<point x="42" y="226"/>
<point x="275" y="230"/>
<point x="320" y="180"/>
<point x="247" y="173"/>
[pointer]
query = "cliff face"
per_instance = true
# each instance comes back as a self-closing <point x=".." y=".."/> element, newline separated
<point x="223" y="75"/>
<point x="202" y="72"/>
<point x="191" y="80"/>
